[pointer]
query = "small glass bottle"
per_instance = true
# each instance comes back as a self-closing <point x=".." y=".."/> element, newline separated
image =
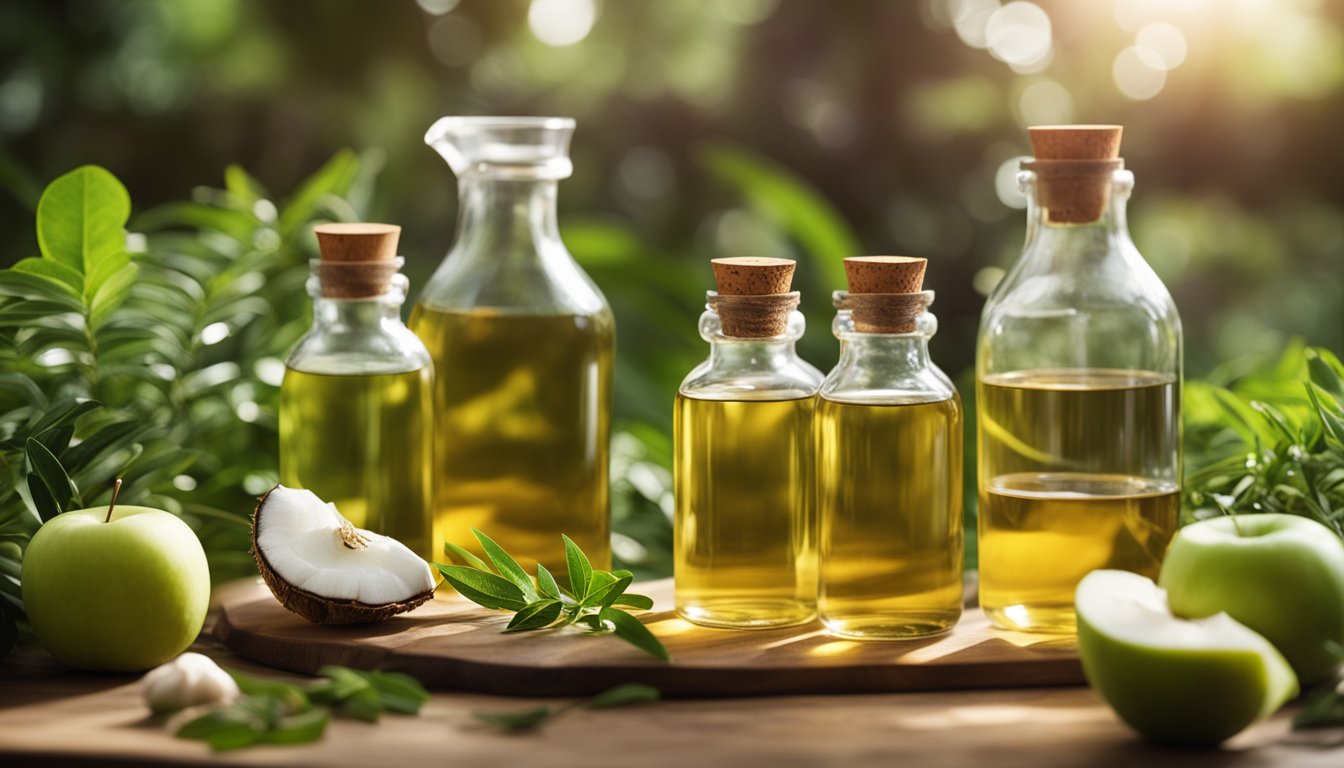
<point x="744" y="531"/>
<point x="1078" y="377"/>
<point x="889" y="447"/>
<point x="523" y="344"/>
<point x="356" y="402"/>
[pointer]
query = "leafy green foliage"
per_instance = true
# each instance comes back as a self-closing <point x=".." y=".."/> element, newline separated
<point x="271" y="712"/>
<point x="1270" y="441"/>
<point x="154" y="356"/>
<point x="589" y="602"/>
<point x="531" y="718"/>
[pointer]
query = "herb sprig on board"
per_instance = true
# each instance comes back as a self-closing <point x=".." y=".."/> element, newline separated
<point x="591" y="600"/>
<point x="273" y="712"/>
<point x="534" y="717"/>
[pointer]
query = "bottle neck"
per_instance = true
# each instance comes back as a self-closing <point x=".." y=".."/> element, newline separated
<point x="897" y="352"/>
<point x="347" y="315"/>
<point x="510" y="219"/>
<point x="1059" y="247"/>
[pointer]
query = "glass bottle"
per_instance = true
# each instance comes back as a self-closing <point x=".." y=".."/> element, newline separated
<point x="744" y="537"/>
<point x="1078" y="375"/>
<point x="356" y="402"/>
<point x="523" y="343"/>
<point x="889" y="447"/>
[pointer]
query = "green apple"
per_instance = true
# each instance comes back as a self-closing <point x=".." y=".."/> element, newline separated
<point x="1190" y="682"/>
<point x="119" y="592"/>
<point x="1280" y="575"/>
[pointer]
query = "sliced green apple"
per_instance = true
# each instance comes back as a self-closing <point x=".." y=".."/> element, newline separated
<point x="1280" y="575"/>
<point x="1177" y="681"/>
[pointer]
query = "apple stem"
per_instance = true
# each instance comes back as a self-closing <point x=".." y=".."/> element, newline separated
<point x="116" y="488"/>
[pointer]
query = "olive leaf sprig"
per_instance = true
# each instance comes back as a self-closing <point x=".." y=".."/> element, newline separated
<point x="273" y="712"/>
<point x="529" y="719"/>
<point x="590" y="601"/>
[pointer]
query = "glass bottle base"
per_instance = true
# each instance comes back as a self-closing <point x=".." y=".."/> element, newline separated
<point x="889" y="626"/>
<point x="1048" y="619"/>
<point x="747" y="613"/>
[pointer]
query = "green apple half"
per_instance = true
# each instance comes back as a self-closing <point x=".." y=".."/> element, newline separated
<point x="1280" y="575"/>
<point x="122" y="594"/>
<point x="1177" y="681"/>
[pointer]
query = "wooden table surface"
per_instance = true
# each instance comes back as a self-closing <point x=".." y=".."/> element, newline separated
<point x="51" y="716"/>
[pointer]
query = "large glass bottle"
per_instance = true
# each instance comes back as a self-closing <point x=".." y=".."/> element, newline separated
<point x="1078" y="374"/>
<point x="356" y="402"/>
<point x="744" y="538"/>
<point x="523" y="343"/>
<point x="889" y="469"/>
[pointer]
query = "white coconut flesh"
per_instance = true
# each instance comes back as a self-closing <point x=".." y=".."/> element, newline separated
<point x="310" y="545"/>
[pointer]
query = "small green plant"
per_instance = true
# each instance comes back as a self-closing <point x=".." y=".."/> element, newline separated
<point x="591" y="601"/>
<point x="271" y="712"/>
<point x="532" y="718"/>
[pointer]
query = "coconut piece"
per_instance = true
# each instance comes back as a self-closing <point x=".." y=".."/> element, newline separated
<point x="323" y="568"/>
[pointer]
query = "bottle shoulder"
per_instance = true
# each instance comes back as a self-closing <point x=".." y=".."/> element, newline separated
<point x="389" y="348"/>
<point x="712" y="380"/>
<point x="529" y="283"/>
<point x="879" y="384"/>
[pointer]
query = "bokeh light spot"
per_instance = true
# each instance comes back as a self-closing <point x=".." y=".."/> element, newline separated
<point x="1019" y="33"/>
<point x="1138" y="73"/>
<point x="1005" y="183"/>
<point x="1165" y="41"/>
<point x="561" y="22"/>
<point x="437" y="7"/>
<point x="971" y="19"/>
<point x="986" y="279"/>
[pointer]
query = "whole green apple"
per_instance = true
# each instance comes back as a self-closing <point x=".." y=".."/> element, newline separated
<point x="119" y="593"/>
<point x="1280" y="575"/>
<point x="1187" y="682"/>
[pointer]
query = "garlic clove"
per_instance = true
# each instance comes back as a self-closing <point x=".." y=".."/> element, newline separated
<point x="189" y="680"/>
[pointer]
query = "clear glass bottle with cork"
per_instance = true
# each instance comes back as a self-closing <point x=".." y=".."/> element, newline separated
<point x="744" y="530"/>
<point x="889" y="463"/>
<point x="523" y="344"/>
<point x="356" y="402"/>
<point x="1078" y="376"/>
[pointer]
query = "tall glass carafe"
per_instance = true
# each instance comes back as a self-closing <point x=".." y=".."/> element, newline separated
<point x="1078" y="374"/>
<point x="523" y="343"/>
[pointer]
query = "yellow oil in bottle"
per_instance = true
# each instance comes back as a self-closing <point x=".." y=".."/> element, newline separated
<point x="521" y="431"/>
<point x="362" y="442"/>
<point x="890" y="501"/>
<point x="744" y="541"/>
<point x="1078" y="471"/>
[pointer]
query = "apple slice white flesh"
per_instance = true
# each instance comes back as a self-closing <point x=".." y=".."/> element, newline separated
<point x="1192" y="682"/>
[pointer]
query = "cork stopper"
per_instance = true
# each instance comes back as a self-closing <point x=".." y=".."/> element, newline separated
<point x="753" y="299"/>
<point x="358" y="260"/>
<point x="886" y="292"/>
<point x="1073" y="166"/>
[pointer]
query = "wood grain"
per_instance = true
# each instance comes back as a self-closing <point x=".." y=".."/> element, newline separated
<point x="451" y="644"/>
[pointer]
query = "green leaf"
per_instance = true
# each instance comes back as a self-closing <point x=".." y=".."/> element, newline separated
<point x="288" y="695"/>
<point x="111" y="294"/>
<point x="53" y="270"/>
<point x="49" y="469"/>
<point x="623" y="696"/>
<point x="580" y="570"/>
<point x="1323" y="376"/>
<point x="63" y="412"/>
<point x="302" y="728"/>
<point x="242" y="186"/>
<point x="605" y="595"/>
<point x="334" y="178"/>
<point x="634" y="601"/>
<point x="546" y="582"/>
<point x="453" y="550"/>
<point x="401" y="693"/>
<point x="631" y="630"/>
<point x="506" y="565"/>
<point x="522" y="720"/>
<point x="43" y="502"/>
<point x="228" y="728"/>
<point x="81" y="219"/>
<point x="108" y="438"/>
<point x="364" y="705"/>
<point x="25" y="286"/>
<point x="484" y="588"/>
<point x="538" y="615"/>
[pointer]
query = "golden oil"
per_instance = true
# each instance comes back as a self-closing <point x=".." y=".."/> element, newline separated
<point x="1078" y="471"/>
<point x="744" y="541"/>
<point x="521" y="430"/>
<point x="890" y="501"/>
<point x="363" y="442"/>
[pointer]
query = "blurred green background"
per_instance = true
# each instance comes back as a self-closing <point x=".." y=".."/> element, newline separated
<point x="734" y="127"/>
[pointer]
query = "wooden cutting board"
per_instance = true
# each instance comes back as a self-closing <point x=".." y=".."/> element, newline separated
<point x="452" y="644"/>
